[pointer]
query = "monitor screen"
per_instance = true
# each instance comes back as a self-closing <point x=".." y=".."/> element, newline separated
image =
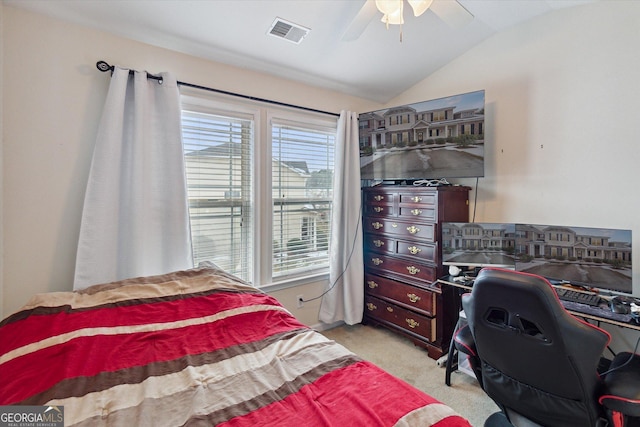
<point x="439" y="138"/>
<point x="476" y="244"/>
<point x="591" y="257"/>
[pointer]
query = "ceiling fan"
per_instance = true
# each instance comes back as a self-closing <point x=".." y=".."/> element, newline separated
<point x="390" y="11"/>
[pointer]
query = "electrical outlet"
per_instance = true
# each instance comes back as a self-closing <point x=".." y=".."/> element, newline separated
<point x="300" y="300"/>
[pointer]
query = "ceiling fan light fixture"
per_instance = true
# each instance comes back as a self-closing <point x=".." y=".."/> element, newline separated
<point x="393" y="18"/>
<point x="419" y="6"/>
<point x="389" y="7"/>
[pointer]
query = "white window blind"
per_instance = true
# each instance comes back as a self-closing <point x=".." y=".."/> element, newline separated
<point x="218" y="160"/>
<point x="302" y="183"/>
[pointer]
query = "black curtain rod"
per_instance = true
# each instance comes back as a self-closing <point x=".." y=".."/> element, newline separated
<point x="104" y="67"/>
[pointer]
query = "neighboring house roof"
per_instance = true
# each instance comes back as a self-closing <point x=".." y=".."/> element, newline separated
<point x="220" y="150"/>
<point x="300" y="165"/>
<point x="228" y="149"/>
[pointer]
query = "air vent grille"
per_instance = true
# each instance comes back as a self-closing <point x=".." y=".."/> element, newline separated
<point x="288" y="30"/>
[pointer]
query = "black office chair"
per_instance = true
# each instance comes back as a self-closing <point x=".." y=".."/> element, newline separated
<point x="537" y="361"/>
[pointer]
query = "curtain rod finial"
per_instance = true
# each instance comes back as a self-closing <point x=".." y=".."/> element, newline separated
<point x="104" y="67"/>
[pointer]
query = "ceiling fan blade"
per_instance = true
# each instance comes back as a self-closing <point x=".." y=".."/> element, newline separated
<point x="452" y="13"/>
<point x="365" y="15"/>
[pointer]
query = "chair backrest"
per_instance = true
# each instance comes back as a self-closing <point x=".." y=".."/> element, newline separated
<point x="536" y="358"/>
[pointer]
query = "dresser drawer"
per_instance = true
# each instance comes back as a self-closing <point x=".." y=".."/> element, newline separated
<point x="378" y="243"/>
<point x="402" y="318"/>
<point x="379" y="209"/>
<point x="407" y="229"/>
<point x="378" y="198"/>
<point x="423" y="198"/>
<point x="405" y="268"/>
<point x="421" y="251"/>
<point x="429" y="213"/>
<point x="404" y="295"/>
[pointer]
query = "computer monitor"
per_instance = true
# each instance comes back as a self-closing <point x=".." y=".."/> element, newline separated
<point x="478" y="244"/>
<point x="591" y="257"/>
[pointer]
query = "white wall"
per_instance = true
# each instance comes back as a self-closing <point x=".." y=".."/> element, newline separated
<point x="53" y="98"/>
<point x="562" y="115"/>
<point x="561" y="107"/>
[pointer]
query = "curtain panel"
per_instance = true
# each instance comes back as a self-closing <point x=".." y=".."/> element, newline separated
<point x="344" y="301"/>
<point x="135" y="219"/>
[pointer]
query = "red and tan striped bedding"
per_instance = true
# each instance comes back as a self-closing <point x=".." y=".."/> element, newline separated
<point x="196" y="347"/>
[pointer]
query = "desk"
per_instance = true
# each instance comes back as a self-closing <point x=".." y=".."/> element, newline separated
<point x="579" y="310"/>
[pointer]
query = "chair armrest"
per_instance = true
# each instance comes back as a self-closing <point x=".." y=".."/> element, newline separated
<point x="622" y="385"/>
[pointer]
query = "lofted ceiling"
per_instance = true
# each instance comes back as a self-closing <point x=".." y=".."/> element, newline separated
<point x="368" y="61"/>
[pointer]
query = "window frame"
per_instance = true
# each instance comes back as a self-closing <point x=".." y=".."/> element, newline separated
<point x="264" y="115"/>
<point x="295" y="119"/>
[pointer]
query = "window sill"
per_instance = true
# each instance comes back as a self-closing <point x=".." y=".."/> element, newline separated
<point x="298" y="281"/>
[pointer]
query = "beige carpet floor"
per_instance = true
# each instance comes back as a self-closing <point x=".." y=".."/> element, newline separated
<point x="398" y="356"/>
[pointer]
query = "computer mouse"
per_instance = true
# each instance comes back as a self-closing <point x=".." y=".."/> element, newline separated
<point x="618" y="306"/>
<point x="454" y="270"/>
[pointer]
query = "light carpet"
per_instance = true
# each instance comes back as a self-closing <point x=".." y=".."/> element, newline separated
<point x="400" y="357"/>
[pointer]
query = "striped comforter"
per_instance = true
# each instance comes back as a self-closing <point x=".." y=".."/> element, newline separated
<point x="196" y="347"/>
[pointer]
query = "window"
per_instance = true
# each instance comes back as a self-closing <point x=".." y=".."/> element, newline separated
<point x="438" y="116"/>
<point x="260" y="188"/>
<point x="217" y="152"/>
<point x="302" y="182"/>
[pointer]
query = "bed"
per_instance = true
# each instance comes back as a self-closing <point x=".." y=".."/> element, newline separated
<point x="199" y="348"/>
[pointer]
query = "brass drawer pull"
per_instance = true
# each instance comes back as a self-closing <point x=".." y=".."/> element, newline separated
<point x="413" y="229"/>
<point x="413" y="297"/>
<point x="378" y="243"/>
<point x="371" y="306"/>
<point x="376" y="261"/>
<point x="416" y="199"/>
<point x="378" y="198"/>
<point x="394" y="225"/>
<point x="416" y="211"/>
<point x="413" y="270"/>
<point x="377" y="225"/>
<point x="372" y="284"/>
<point x="412" y="323"/>
<point x="378" y="209"/>
<point x="414" y="250"/>
<point x="390" y="309"/>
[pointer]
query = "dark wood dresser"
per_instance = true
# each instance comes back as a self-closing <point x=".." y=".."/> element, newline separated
<point x="403" y="260"/>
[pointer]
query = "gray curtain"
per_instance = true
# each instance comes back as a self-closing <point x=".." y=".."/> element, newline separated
<point x="135" y="220"/>
<point x="345" y="301"/>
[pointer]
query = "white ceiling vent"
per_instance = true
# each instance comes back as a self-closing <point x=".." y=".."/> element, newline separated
<point x="288" y="30"/>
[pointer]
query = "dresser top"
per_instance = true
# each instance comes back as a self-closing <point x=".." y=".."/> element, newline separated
<point x="388" y="188"/>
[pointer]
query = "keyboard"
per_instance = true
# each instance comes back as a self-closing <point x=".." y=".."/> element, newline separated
<point x="579" y="297"/>
<point x="599" y="312"/>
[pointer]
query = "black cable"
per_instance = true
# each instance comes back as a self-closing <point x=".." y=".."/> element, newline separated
<point x="353" y="246"/>
<point x="475" y="202"/>
<point x="631" y="356"/>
